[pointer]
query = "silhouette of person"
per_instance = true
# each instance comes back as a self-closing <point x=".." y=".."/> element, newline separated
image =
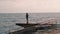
<point x="27" y="17"/>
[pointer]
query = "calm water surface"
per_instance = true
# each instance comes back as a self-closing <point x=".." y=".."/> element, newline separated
<point x="8" y="20"/>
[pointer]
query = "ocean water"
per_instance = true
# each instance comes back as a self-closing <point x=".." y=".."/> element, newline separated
<point x="8" y="20"/>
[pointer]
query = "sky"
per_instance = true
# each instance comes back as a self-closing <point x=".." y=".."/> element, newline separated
<point x="30" y="6"/>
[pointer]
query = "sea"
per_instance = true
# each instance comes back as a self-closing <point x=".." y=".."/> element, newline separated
<point x="8" y="20"/>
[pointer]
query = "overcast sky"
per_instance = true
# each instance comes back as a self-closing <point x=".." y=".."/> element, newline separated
<point x="31" y="6"/>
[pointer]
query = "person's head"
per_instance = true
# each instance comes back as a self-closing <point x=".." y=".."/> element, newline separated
<point x="26" y="13"/>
